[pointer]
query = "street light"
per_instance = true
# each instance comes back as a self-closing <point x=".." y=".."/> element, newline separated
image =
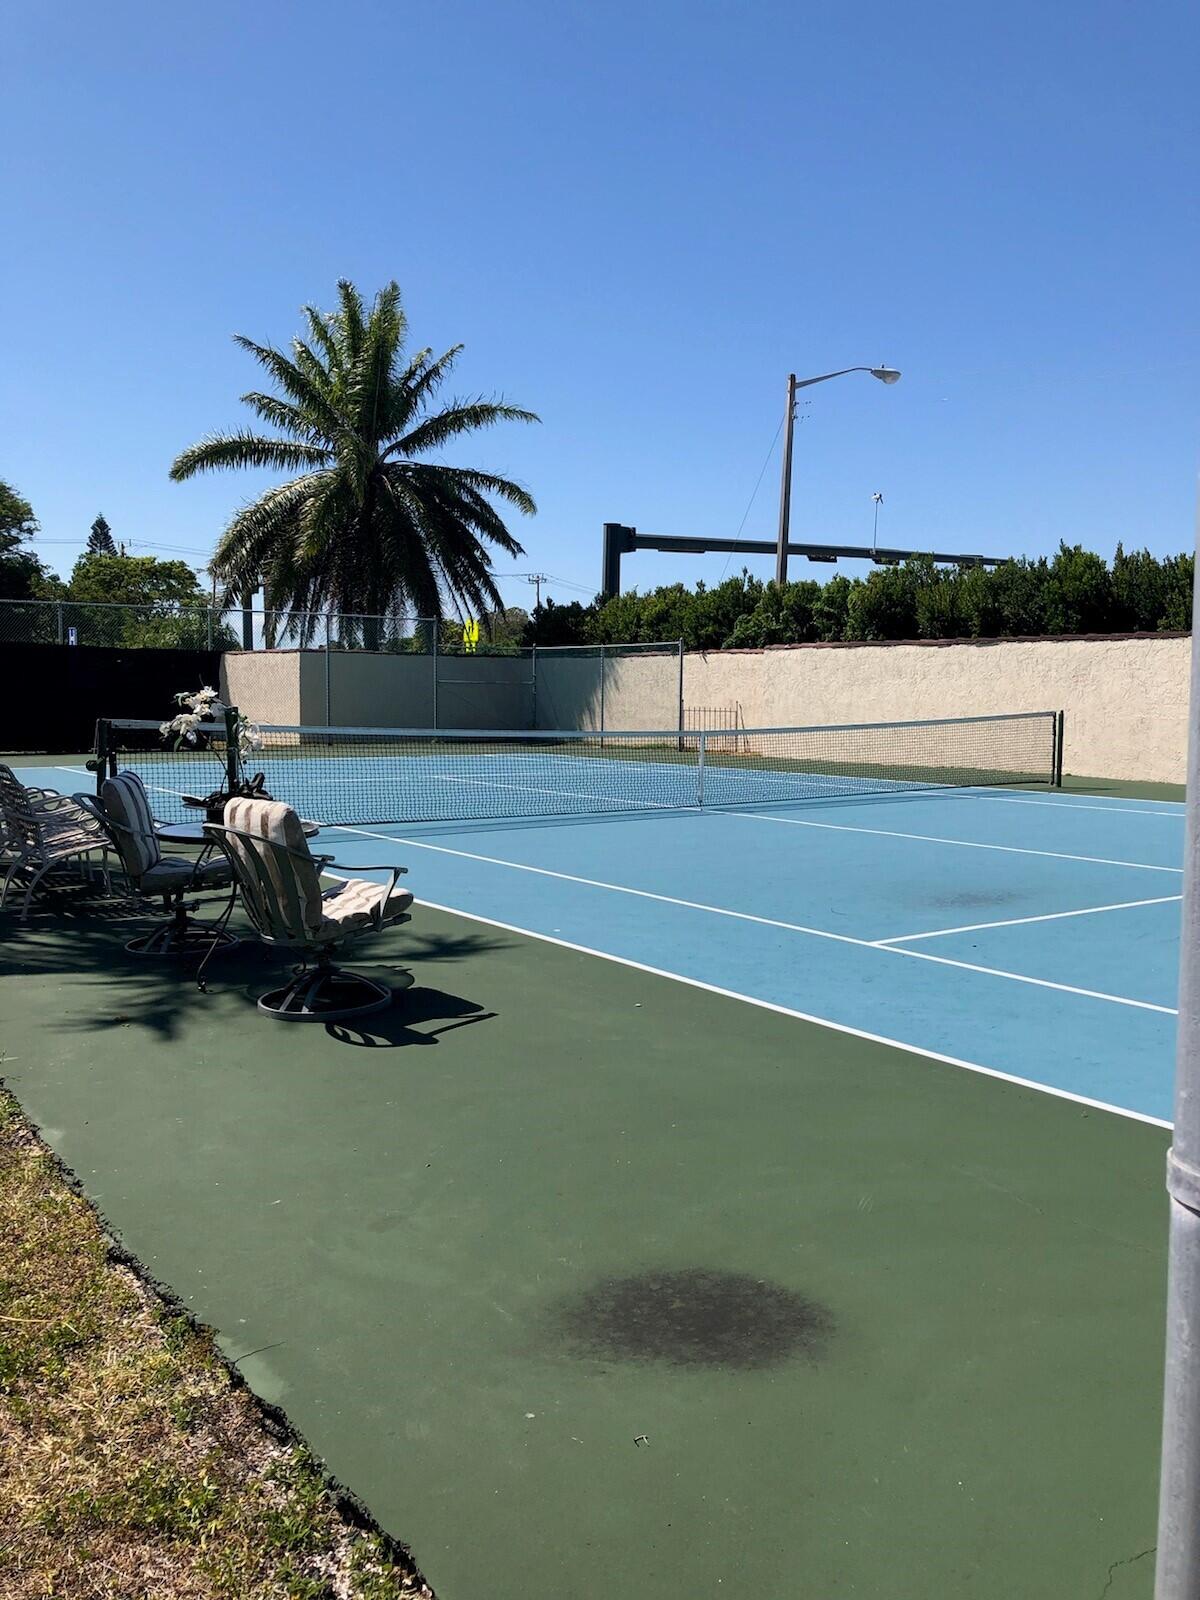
<point x="887" y="375"/>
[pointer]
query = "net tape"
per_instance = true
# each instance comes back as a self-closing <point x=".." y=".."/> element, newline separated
<point x="366" y="776"/>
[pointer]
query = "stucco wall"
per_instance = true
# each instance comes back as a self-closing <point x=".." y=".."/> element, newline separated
<point x="346" y="688"/>
<point x="581" y="690"/>
<point x="263" y="684"/>
<point x="1125" y="698"/>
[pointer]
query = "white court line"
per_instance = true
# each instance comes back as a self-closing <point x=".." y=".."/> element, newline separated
<point x="564" y="794"/>
<point x="932" y="838"/>
<point x="801" y="1016"/>
<point x="769" y="922"/>
<point x="1023" y="977"/>
<point x="1016" y="922"/>
<point x="1067" y="805"/>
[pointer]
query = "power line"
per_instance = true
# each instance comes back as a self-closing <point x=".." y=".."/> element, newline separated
<point x="134" y="544"/>
<point x="753" y="494"/>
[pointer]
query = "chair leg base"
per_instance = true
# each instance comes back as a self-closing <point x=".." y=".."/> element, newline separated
<point x="192" y="939"/>
<point x="326" y="994"/>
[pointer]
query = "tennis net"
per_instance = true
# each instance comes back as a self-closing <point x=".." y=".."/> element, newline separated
<point x="363" y="776"/>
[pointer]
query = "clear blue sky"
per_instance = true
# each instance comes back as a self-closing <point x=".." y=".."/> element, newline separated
<point x="638" y="219"/>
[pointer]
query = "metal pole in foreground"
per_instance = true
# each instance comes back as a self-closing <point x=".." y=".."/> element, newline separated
<point x="1178" y="1570"/>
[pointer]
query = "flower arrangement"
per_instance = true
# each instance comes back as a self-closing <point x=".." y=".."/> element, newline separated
<point x="206" y="706"/>
<point x="205" y="711"/>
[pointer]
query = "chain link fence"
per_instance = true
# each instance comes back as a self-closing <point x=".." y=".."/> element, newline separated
<point x="162" y="626"/>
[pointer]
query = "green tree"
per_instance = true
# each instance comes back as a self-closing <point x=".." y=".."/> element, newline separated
<point x="782" y="615"/>
<point x="141" y="601"/>
<point x="1179" y="577"/>
<point x="22" y="575"/>
<point x="831" y="608"/>
<point x="554" y="624"/>
<point x="1015" y="602"/>
<point x="134" y="581"/>
<point x="941" y="613"/>
<point x="368" y="525"/>
<point x="1139" y="591"/>
<point x="715" y="613"/>
<point x="100" y="539"/>
<point x="884" y="607"/>
<point x="1079" y="592"/>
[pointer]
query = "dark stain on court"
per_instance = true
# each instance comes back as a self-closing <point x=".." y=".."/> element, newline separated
<point x="974" y="899"/>
<point x="694" y="1317"/>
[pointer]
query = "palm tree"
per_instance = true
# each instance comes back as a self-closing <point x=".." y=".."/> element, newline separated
<point x="367" y="526"/>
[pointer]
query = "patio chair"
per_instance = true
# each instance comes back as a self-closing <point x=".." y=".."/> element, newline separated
<point x="280" y="884"/>
<point x="123" y="812"/>
<point x="40" y="832"/>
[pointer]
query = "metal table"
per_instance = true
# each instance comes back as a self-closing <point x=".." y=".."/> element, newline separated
<point x="193" y="832"/>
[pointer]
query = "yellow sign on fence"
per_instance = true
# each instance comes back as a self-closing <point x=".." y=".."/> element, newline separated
<point x="470" y="634"/>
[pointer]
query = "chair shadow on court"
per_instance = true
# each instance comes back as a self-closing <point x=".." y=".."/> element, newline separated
<point x="402" y="1024"/>
<point x="75" y="936"/>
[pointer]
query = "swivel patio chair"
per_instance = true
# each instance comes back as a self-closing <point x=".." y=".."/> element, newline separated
<point x="280" y="884"/>
<point x="40" y="832"/>
<point x="123" y="811"/>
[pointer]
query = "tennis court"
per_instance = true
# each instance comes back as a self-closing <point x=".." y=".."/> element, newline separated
<point x="782" y="1207"/>
<point x="894" y="879"/>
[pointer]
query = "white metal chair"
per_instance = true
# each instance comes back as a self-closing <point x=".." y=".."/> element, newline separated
<point x="280" y="884"/>
<point x="123" y="811"/>
<point x="41" y="831"/>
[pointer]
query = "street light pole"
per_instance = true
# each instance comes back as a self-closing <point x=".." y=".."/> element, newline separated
<point x="785" y="486"/>
<point x="884" y="374"/>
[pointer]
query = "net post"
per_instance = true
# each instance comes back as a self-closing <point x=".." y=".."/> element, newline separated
<point x="1056" y="776"/>
<point x="701" y="745"/>
<point x="434" y="631"/>
<point x="232" y="773"/>
<point x="100" y="764"/>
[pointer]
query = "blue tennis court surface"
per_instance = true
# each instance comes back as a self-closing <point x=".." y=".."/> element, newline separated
<point x="1030" y="933"/>
<point x="1031" y="936"/>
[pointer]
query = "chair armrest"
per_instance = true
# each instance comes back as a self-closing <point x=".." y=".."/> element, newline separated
<point x="395" y="871"/>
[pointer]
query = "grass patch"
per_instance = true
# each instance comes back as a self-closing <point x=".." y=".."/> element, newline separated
<point x="132" y="1460"/>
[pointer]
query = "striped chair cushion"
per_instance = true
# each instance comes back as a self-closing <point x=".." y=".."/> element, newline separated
<point x="286" y="889"/>
<point x="357" y="903"/>
<point x="124" y="799"/>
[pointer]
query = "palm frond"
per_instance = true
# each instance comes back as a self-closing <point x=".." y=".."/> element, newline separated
<point x="311" y="396"/>
<point x="461" y="416"/>
<point x="246" y="450"/>
<point x="489" y="483"/>
<point x="320" y="334"/>
<point x="282" y="413"/>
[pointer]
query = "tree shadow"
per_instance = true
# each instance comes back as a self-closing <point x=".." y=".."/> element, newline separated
<point x="74" y="932"/>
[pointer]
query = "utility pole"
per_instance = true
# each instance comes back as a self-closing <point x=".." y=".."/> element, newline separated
<point x="537" y="579"/>
<point x="878" y="499"/>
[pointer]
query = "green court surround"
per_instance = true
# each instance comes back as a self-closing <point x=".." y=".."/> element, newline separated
<point x="402" y="1225"/>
